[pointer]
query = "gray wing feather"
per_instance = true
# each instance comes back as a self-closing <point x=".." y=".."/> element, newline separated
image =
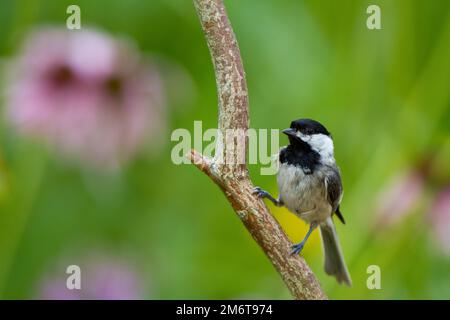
<point x="334" y="188"/>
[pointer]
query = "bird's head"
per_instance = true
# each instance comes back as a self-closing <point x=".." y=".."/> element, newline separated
<point x="312" y="133"/>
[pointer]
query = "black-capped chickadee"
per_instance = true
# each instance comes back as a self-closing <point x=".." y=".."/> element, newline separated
<point x="310" y="186"/>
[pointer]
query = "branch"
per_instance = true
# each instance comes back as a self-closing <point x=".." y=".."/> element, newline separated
<point x="233" y="178"/>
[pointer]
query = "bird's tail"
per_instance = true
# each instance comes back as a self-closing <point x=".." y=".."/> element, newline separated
<point x="334" y="259"/>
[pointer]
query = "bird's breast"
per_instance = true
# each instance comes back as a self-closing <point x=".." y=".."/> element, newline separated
<point x="303" y="194"/>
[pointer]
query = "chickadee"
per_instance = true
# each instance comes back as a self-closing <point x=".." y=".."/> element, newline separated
<point x="310" y="186"/>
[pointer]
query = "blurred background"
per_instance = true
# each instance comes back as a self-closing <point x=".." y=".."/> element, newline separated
<point x="86" y="176"/>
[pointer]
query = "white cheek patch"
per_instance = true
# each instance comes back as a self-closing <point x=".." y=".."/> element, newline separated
<point x="322" y="144"/>
<point x="304" y="137"/>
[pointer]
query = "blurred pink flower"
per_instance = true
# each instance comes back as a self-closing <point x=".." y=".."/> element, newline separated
<point x="101" y="279"/>
<point x="85" y="93"/>
<point x="440" y="219"/>
<point x="399" y="197"/>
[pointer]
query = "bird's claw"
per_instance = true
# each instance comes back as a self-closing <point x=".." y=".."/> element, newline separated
<point x="297" y="248"/>
<point x="259" y="192"/>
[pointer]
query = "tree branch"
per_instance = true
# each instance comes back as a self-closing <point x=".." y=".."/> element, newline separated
<point x="233" y="178"/>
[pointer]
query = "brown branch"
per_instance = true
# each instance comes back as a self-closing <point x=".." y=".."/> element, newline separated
<point x="234" y="179"/>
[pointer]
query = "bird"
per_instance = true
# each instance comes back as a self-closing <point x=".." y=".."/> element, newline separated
<point x="310" y="186"/>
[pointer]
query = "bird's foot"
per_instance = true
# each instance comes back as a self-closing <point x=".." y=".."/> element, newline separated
<point x="261" y="193"/>
<point x="297" y="248"/>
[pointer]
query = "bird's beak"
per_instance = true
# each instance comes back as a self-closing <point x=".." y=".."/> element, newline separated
<point x="290" y="132"/>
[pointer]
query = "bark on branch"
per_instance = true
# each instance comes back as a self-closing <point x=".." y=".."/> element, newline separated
<point x="234" y="179"/>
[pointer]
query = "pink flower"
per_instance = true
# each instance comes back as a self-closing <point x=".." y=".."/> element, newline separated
<point x="104" y="278"/>
<point x="399" y="198"/>
<point x="86" y="94"/>
<point x="440" y="219"/>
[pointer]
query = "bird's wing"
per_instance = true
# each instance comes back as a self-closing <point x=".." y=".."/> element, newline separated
<point x="339" y="215"/>
<point x="334" y="191"/>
